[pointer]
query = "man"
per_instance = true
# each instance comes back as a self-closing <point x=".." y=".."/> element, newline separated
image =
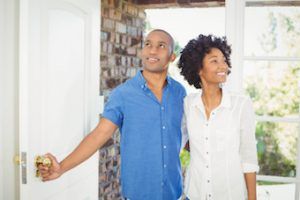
<point x="148" y="110"/>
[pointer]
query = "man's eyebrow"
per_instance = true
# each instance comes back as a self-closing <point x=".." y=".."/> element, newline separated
<point x="162" y="42"/>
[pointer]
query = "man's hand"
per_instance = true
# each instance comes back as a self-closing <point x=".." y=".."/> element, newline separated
<point x="52" y="172"/>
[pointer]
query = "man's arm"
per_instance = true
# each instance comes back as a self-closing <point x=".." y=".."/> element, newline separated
<point x="88" y="146"/>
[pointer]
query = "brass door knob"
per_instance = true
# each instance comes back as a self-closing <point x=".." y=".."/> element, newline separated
<point x="41" y="160"/>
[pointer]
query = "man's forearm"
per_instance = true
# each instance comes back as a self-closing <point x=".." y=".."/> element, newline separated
<point x="88" y="146"/>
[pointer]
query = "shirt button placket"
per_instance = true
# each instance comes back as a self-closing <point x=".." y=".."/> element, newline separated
<point x="162" y="108"/>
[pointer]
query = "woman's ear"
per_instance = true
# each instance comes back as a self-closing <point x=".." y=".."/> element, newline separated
<point x="200" y="72"/>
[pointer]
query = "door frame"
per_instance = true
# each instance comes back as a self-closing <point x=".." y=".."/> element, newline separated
<point x="10" y="62"/>
<point x="9" y="32"/>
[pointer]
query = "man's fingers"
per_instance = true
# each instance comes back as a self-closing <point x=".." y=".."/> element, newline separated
<point x="52" y="158"/>
<point x="43" y="168"/>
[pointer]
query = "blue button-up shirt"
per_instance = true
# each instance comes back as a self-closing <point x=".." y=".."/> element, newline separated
<point x="150" y="138"/>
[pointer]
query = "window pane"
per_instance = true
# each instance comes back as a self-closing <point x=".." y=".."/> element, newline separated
<point x="275" y="191"/>
<point x="273" y="87"/>
<point x="272" y="31"/>
<point x="277" y="148"/>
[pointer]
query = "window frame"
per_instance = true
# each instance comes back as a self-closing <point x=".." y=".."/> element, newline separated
<point x="235" y="23"/>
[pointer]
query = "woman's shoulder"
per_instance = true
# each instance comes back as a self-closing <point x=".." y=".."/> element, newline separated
<point x="239" y="97"/>
<point x="192" y="96"/>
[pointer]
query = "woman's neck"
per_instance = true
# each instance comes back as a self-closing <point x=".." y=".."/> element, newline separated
<point x="211" y="98"/>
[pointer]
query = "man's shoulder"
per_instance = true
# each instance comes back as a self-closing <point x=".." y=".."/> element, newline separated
<point x="178" y="86"/>
<point x="123" y="87"/>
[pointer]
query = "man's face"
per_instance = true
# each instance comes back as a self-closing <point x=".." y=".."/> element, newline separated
<point x="157" y="52"/>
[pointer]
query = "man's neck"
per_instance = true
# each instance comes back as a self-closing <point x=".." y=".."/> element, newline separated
<point x="155" y="81"/>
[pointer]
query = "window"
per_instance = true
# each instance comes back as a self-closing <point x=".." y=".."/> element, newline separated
<point x="270" y="68"/>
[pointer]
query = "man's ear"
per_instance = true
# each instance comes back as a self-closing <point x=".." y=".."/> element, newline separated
<point x="173" y="57"/>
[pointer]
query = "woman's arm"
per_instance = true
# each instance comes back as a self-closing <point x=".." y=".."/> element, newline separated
<point x="250" y="179"/>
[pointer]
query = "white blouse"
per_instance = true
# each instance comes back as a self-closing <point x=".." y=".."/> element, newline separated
<point x="222" y="148"/>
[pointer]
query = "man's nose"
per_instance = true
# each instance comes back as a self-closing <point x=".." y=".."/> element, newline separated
<point x="153" y="50"/>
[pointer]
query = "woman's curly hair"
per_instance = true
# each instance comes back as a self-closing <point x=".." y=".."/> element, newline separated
<point x="192" y="55"/>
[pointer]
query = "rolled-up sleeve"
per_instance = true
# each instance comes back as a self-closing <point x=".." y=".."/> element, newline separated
<point x="248" y="150"/>
<point x="113" y="109"/>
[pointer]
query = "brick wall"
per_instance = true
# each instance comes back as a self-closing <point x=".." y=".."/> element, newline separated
<point x="122" y="30"/>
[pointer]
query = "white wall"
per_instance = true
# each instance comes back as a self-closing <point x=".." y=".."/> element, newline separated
<point x="8" y="97"/>
<point x="1" y="95"/>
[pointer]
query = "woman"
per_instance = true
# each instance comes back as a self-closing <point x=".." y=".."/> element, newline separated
<point x="220" y="126"/>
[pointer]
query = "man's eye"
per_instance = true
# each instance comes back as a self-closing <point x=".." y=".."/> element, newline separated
<point x="162" y="46"/>
<point x="147" y="44"/>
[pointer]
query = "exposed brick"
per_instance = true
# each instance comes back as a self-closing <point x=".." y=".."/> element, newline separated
<point x="131" y="51"/>
<point x="132" y="31"/>
<point x="123" y="62"/>
<point x="104" y="47"/>
<point x="108" y="24"/>
<point x="142" y="14"/>
<point x="124" y="71"/>
<point x="132" y="10"/>
<point x="120" y="28"/>
<point x="118" y="36"/>
<point x="124" y="39"/>
<point x="113" y="82"/>
<point x="111" y="60"/>
<point x="110" y="48"/>
<point x="103" y="60"/>
<point x="115" y="14"/>
<point x="111" y="37"/>
<point x="134" y="41"/>
<point x="105" y="12"/>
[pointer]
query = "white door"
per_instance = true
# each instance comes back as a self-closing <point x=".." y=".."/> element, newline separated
<point x="59" y="88"/>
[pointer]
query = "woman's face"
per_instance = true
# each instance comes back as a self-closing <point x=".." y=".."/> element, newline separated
<point x="215" y="68"/>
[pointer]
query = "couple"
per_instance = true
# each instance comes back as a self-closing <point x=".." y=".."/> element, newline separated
<point x="151" y="109"/>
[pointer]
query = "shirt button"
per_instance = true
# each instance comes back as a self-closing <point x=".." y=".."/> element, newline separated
<point x="165" y="146"/>
<point x="208" y="181"/>
<point x="163" y="127"/>
<point x="206" y="138"/>
<point x="206" y="153"/>
<point x="206" y="166"/>
<point x="165" y="166"/>
<point x="206" y="124"/>
<point x="162" y="108"/>
<point x="162" y="183"/>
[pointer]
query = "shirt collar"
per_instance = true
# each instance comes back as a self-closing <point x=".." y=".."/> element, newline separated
<point x="143" y="83"/>
<point x="225" y="102"/>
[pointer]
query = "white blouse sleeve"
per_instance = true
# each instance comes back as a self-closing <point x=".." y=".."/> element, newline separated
<point x="184" y="132"/>
<point x="248" y="150"/>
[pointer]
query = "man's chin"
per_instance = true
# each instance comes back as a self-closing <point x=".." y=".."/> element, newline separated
<point x="156" y="70"/>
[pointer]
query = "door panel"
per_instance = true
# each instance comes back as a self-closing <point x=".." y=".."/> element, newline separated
<point x="58" y="92"/>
